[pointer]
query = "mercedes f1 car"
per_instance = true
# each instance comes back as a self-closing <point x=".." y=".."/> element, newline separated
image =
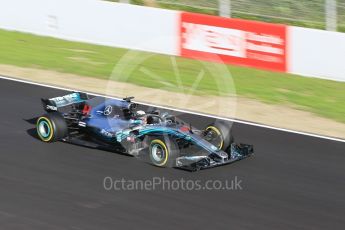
<point x="118" y="125"/>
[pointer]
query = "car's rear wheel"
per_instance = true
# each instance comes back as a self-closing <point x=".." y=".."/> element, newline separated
<point x="163" y="151"/>
<point x="51" y="127"/>
<point x="219" y="135"/>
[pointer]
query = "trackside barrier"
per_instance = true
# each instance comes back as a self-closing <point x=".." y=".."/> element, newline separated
<point x="317" y="53"/>
<point x="302" y="51"/>
<point x="94" y="21"/>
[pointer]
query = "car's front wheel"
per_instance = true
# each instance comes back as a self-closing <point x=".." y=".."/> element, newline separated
<point x="219" y="135"/>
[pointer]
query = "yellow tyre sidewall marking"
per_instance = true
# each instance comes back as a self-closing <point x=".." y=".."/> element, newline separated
<point x="157" y="141"/>
<point x="50" y="127"/>
<point x="219" y="133"/>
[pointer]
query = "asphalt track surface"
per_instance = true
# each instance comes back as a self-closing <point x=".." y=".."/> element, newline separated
<point x="292" y="182"/>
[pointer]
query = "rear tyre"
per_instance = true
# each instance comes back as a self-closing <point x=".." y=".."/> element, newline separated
<point x="51" y="127"/>
<point x="219" y="135"/>
<point x="163" y="151"/>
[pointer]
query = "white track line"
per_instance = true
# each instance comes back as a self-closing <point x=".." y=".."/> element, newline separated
<point x="184" y="111"/>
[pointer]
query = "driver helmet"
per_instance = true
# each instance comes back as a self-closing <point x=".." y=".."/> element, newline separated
<point x="141" y="116"/>
<point x="140" y="113"/>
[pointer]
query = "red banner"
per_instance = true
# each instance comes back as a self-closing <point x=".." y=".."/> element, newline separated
<point x="233" y="41"/>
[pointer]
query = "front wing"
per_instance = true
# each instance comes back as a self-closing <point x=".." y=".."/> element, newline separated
<point x="194" y="163"/>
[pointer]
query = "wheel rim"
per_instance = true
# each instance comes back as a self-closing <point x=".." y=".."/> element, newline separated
<point x="158" y="153"/>
<point x="214" y="136"/>
<point x="44" y="129"/>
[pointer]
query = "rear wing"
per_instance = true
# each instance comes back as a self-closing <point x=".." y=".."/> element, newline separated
<point x="52" y="104"/>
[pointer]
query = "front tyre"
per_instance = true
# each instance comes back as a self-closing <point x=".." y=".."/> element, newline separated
<point x="219" y="135"/>
<point x="51" y="127"/>
<point x="163" y="151"/>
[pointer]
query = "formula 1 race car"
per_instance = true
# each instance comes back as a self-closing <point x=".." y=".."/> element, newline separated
<point x="119" y="126"/>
